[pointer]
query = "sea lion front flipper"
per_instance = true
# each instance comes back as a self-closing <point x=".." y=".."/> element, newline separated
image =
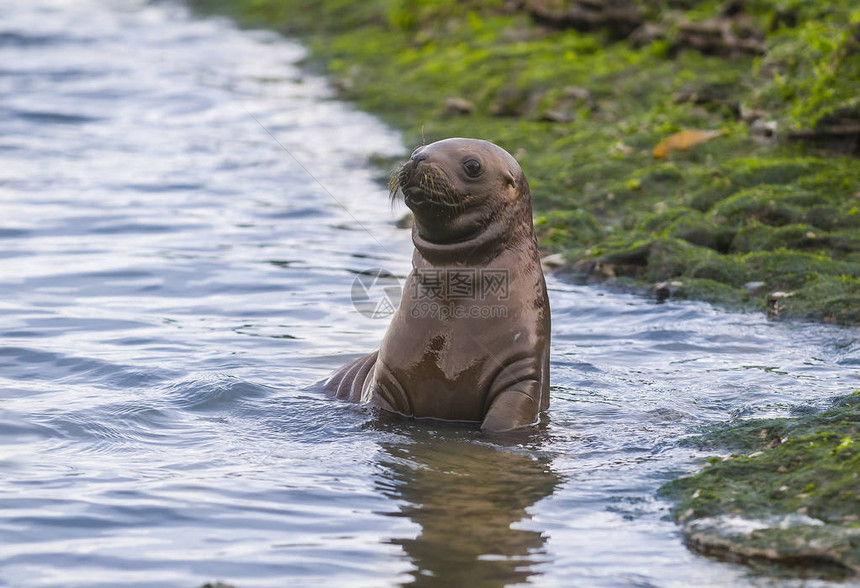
<point x="349" y="382"/>
<point x="514" y="407"/>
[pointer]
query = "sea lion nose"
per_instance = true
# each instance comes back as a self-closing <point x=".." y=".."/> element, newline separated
<point x="412" y="165"/>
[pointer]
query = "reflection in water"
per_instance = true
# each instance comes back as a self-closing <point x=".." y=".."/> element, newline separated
<point x="466" y="494"/>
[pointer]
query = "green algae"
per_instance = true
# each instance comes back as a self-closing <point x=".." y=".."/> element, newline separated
<point x="582" y="110"/>
<point x="781" y="468"/>
<point x="567" y="229"/>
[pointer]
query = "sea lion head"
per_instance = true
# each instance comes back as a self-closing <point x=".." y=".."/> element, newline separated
<point x="458" y="187"/>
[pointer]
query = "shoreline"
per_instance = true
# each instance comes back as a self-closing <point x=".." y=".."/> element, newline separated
<point x="658" y="151"/>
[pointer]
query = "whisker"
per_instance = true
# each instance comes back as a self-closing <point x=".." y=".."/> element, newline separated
<point x="393" y="186"/>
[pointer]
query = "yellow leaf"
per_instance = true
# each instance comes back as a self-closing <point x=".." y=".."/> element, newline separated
<point x="682" y="140"/>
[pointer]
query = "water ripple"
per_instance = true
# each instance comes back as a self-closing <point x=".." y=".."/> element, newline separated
<point x="174" y="283"/>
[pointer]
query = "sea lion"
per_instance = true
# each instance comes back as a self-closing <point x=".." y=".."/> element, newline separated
<point x="470" y="339"/>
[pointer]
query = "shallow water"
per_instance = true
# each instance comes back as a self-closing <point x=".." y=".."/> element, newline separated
<point x="184" y="211"/>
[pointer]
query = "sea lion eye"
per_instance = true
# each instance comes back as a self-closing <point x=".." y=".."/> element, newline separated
<point x="472" y="167"/>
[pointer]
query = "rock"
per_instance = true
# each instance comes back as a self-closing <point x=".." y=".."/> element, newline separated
<point x="764" y="128"/>
<point x="708" y="93"/>
<point x="345" y="82"/>
<point x="774" y="305"/>
<point x="647" y="33"/>
<point x="457" y="107"/>
<point x="583" y="94"/>
<point x="809" y="544"/>
<point x="787" y="504"/>
<point x="752" y="287"/>
<point x="619" y="17"/>
<point x="564" y="109"/>
<point x="726" y="36"/>
<point x="661" y="291"/>
<point x="732" y="33"/>
<point x="557" y="116"/>
<point x="620" y="148"/>
<point x="750" y="114"/>
<point x="665" y="290"/>
<point x="838" y="132"/>
<point x="607" y="270"/>
<point x="509" y="101"/>
<point x="761" y="128"/>
<point x="553" y="261"/>
<point x="513" y="101"/>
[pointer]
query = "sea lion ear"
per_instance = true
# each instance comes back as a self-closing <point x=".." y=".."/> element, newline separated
<point x="509" y="179"/>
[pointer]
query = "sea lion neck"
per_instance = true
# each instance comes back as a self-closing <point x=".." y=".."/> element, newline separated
<point x="504" y="230"/>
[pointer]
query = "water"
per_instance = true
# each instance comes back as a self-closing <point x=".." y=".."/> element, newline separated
<point x="183" y="213"/>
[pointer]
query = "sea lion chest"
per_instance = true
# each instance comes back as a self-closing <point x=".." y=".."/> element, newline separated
<point x="456" y="330"/>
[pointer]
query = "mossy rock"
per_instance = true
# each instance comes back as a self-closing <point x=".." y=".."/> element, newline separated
<point x="697" y="229"/>
<point x="813" y="68"/>
<point x="826" y="218"/>
<point x="658" y="222"/>
<point x="722" y="268"/>
<point x="705" y="198"/>
<point x="792" y="269"/>
<point x="811" y="461"/>
<point x="567" y="228"/>
<point x="669" y="257"/>
<point x="748" y="172"/>
<point x="756" y="236"/>
<point x="828" y="298"/>
<point x="769" y="204"/>
<point x="799" y="236"/>
<point x="845" y="240"/>
<point x="839" y="310"/>
<point x="659" y="176"/>
<point x="659" y="259"/>
<point x="838" y="180"/>
<point x="792" y="495"/>
<point x="626" y="250"/>
<point x="715" y="292"/>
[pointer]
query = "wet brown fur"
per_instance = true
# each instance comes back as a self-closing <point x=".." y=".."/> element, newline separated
<point x="493" y="370"/>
